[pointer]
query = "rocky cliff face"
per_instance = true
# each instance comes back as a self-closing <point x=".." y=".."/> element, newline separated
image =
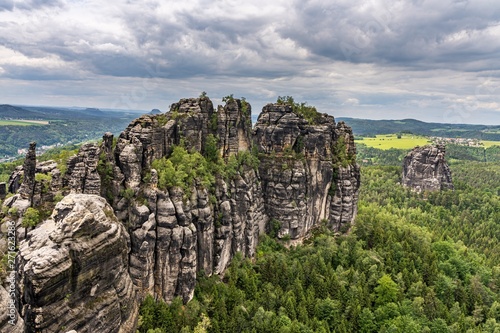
<point x="425" y="169"/>
<point x="304" y="182"/>
<point x="73" y="271"/>
<point x="155" y="239"/>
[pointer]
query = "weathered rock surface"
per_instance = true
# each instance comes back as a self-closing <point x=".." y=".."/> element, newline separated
<point x="82" y="175"/>
<point x="172" y="239"/>
<point x="73" y="271"/>
<point x="10" y="321"/>
<point x="29" y="187"/>
<point x="3" y="190"/>
<point x="425" y="169"/>
<point x="302" y="182"/>
<point x="234" y="125"/>
<point x="91" y="257"/>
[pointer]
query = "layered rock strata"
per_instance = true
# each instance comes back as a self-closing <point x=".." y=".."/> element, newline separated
<point x="73" y="271"/>
<point x="303" y="181"/>
<point x="425" y="169"/>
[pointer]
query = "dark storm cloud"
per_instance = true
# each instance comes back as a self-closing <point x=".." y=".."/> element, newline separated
<point x="6" y="5"/>
<point x="213" y="40"/>
<point x="35" y="4"/>
<point x="32" y="73"/>
<point x="425" y="34"/>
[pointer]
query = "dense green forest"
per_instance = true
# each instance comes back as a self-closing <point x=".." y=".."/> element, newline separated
<point x="412" y="263"/>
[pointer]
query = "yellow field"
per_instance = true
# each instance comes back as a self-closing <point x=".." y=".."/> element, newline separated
<point x="488" y="144"/>
<point x="387" y="141"/>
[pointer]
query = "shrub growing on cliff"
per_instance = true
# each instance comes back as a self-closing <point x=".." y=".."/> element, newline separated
<point x="211" y="150"/>
<point x="182" y="169"/>
<point x="30" y="219"/>
<point x="45" y="180"/>
<point x="309" y="112"/>
<point x="105" y="170"/>
<point x="340" y="154"/>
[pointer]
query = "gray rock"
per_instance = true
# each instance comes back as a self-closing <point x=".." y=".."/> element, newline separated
<point x="73" y="270"/>
<point x="15" y="179"/>
<point x="234" y="127"/>
<point x="425" y="169"/>
<point x="82" y="175"/>
<point x="10" y="320"/>
<point x="303" y="183"/>
<point x="29" y="166"/>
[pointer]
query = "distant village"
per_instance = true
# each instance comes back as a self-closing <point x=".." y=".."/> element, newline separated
<point x="456" y="141"/>
<point x="21" y="152"/>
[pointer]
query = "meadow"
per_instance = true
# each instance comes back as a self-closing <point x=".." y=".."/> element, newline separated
<point x="488" y="144"/>
<point x="387" y="141"/>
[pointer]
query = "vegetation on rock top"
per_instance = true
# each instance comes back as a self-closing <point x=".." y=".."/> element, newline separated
<point x="307" y="111"/>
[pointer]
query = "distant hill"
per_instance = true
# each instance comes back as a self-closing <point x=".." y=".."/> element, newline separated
<point x="14" y="112"/>
<point x="65" y="125"/>
<point x="155" y="111"/>
<point x="367" y="127"/>
<point x="93" y="112"/>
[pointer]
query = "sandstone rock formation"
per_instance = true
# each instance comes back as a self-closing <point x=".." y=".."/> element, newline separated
<point x="73" y="271"/>
<point x="10" y="321"/>
<point x="173" y="237"/>
<point x="82" y="174"/>
<point x="302" y="179"/>
<point x="155" y="239"/>
<point x="28" y="185"/>
<point x="425" y="169"/>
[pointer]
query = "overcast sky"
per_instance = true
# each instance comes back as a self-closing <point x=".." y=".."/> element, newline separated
<point x="430" y="60"/>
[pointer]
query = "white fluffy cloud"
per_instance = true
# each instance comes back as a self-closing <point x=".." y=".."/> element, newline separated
<point x="378" y="59"/>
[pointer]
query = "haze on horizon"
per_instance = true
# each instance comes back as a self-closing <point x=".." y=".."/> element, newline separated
<point x="427" y="60"/>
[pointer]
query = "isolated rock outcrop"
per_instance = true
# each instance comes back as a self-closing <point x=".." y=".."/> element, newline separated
<point x="29" y="166"/>
<point x="425" y="169"/>
<point x="73" y="271"/>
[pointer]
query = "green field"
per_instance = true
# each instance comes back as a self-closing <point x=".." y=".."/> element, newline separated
<point x="4" y="122"/>
<point x="387" y="141"/>
<point x="488" y="144"/>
